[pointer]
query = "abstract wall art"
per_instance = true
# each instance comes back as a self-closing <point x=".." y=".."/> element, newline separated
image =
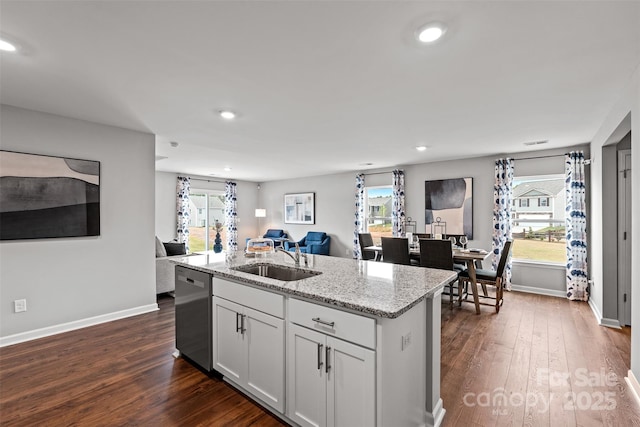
<point x="451" y="200"/>
<point x="47" y="197"/>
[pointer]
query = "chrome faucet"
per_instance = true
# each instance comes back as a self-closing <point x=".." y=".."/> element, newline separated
<point x="296" y="257"/>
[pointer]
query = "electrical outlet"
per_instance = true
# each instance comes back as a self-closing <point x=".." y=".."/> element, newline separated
<point x="20" y="305"/>
<point x="406" y="341"/>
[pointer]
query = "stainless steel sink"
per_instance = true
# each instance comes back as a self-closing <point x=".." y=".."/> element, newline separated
<point x="278" y="272"/>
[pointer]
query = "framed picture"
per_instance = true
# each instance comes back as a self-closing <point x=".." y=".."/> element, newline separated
<point x="45" y="197"/>
<point x="451" y="200"/>
<point x="299" y="208"/>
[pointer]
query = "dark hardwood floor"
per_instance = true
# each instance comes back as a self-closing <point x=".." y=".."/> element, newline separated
<point x="123" y="373"/>
<point x="542" y="361"/>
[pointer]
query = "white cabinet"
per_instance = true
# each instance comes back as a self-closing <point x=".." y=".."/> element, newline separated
<point x="331" y="382"/>
<point x="248" y="346"/>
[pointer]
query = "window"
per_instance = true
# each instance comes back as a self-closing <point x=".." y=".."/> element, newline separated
<point x="539" y="232"/>
<point x="377" y="212"/>
<point x="206" y="208"/>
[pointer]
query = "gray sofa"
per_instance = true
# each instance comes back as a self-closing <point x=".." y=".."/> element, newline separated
<point x="166" y="274"/>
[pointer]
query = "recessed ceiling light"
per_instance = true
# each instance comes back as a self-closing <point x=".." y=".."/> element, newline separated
<point x="227" y="169"/>
<point x="366" y="164"/>
<point x="227" y="115"/>
<point x="174" y="144"/>
<point x="431" y="32"/>
<point x="421" y="148"/>
<point x="6" y="46"/>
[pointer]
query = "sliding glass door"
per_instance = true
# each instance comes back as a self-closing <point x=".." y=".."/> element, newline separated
<point x="206" y="208"/>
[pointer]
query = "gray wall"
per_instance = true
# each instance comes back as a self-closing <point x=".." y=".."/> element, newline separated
<point x="628" y="103"/>
<point x="166" y="219"/>
<point x="73" y="279"/>
<point x="165" y="190"/>
<point x="610" y="231"/>
<point x="335" y="205"/>
<point x="334" y="208"/>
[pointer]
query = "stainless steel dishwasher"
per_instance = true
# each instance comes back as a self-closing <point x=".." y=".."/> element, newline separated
<point x="193" y="306"/>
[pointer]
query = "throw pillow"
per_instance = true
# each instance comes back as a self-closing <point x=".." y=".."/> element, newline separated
<point x="175" y="248"/>
<point x="160" y="250"/>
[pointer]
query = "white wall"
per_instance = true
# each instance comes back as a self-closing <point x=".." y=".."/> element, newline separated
<point x="629" y="102"/>
<point x="165" y="190"/>
<point x="73" y="279"/>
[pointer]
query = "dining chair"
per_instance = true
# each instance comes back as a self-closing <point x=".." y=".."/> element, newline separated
<point x="395" y="250"/>
<point x="365" y="239"/>
<point x="439" y="254"/>
<point x="491" y="278"/>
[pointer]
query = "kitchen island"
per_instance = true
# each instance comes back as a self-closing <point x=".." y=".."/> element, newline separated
<point x="355" y="343"/>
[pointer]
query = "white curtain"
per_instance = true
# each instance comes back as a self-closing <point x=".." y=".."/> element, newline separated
<point x="397" y="214"/>
<point x="359" y="216"/>
<point x="502" y="196"/>
<point x="231" y="215"/>
<point x="183" y="187"/>
<point x="576" y="227"/>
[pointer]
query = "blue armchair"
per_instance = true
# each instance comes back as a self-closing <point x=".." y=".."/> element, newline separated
<point x="315" y="242"/>
<point x="278" y="236"/>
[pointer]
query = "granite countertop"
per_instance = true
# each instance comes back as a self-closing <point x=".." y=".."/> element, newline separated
<point x="375" y="288"/>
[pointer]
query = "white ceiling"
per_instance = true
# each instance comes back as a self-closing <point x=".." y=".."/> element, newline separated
<point x="323" y="86"/>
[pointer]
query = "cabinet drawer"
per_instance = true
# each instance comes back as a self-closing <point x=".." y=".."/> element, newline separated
<point x="264" y="301"/>
<point x="347" y="326"/>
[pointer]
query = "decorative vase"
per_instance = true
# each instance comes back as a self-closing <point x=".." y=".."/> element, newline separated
<point x="217" y="247"/>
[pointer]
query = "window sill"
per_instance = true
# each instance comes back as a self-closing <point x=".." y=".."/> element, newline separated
<point x="545" y="264"/>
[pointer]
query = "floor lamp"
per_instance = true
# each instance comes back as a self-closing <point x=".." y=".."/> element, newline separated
<point x="260" y="213"/>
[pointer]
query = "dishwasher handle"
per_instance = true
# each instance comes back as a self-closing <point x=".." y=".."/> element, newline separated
<point x="190" y="281"/>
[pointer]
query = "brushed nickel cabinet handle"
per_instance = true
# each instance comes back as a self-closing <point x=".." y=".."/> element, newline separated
<point x="327" y="366"/>
<point x="324" y="322"/>
<point x="320" y="356"/>
<point x="238" y="326"/>
<point x="242" y="328"/>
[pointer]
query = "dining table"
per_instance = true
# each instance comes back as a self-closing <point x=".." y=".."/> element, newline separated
<point x="469" y="257"/>
<point x="376" y="249"/>
<point x="460" y="255"/>
<point x="463" y="256"/>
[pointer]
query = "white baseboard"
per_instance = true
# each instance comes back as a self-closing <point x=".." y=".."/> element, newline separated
<point x="595" y="310"/>
<point x="539" y="291"/>
<point x="76" y="324"/>
<point x="610" y="323"/>
<point x="603" y="321"/>
<point x="632" y="382"/>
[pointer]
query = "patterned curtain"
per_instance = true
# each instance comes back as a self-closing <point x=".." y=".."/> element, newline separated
<point x="183" y="188"/>
<point x="231" y="215"/>
<point x="502" y="196"/>
<point x="397" y="214"/>
<point x="576" y="227"/>
<point x="359" y="218"/>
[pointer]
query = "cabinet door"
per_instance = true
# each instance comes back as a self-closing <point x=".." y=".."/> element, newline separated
<point x="351" y="392"/>
<point x="307" y="385"/>
<point x="228" y="341"/>
<point x="264" y="339"/>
